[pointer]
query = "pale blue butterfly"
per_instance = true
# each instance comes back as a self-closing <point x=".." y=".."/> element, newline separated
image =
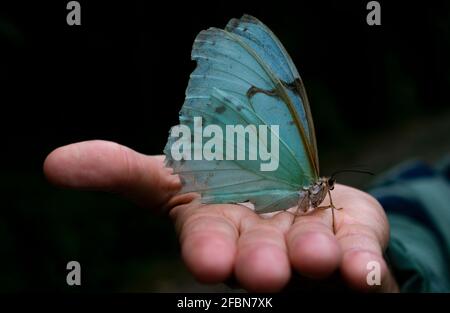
<point x="244" y="76"/>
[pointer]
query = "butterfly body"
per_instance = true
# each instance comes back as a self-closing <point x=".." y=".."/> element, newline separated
<point x="310" y="197"/>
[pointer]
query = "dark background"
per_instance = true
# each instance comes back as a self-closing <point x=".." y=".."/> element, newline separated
<point x="379" y="96"/>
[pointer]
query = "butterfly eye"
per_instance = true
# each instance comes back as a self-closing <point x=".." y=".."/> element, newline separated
<point x="331" y="182"/>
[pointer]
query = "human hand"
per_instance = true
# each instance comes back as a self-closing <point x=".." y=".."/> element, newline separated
<point x="220" y="241"/>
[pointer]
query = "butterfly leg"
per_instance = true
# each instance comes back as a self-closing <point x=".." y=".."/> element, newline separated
<point x="303" y="205"/>
<point x="295" y="213"/>
<point x="332" y="207"/>
<point x="292" y="213"/>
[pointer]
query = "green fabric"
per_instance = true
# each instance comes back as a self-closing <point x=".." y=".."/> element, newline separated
<point x="419" y="247"/>
<point x="417" y="261"/>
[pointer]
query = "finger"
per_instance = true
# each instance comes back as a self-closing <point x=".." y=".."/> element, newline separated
<point x="208" y="236"/>
<point x="363" y="265"/>
<point x="363" y="238"/>
<point x="313" y="249"/>
<point x="262" y="264"/>
<point x="108" y="166"/>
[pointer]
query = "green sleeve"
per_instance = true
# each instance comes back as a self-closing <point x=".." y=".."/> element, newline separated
<point x="416" y="198"/>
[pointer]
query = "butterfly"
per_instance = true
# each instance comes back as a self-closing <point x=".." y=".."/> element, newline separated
<point x="244" y="76"/>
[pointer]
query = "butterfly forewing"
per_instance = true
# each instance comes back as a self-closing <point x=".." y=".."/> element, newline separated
<point x="260" y="38"/>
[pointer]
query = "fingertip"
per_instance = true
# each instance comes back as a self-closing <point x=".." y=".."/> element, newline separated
<point x="57" y="163"/>
<point x="88" y="164"/>
<point x="99" y="164"/>
<point x="263" y="268"/>
<point x="364" y="270"/>
<point x="209" y="258"/>
<point x="47" y="166"/>
<point x="315" y="254"/>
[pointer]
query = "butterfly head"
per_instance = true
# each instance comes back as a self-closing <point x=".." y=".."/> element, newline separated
<point x="325" y="183"/>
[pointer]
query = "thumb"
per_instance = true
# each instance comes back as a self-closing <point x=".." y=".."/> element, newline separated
<point x="108" y="166"/>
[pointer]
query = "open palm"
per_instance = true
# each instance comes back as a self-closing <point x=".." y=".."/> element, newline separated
<point x="221" y="241"/>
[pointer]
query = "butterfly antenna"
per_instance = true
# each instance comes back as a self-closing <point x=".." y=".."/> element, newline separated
<point x="333" y="176"/>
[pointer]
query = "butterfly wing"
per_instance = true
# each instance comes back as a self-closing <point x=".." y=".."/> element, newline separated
<point x="264" y="42"/>
<point x="236" y="84"/>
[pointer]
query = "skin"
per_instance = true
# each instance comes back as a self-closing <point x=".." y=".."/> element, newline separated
<point x="224" y="241"/>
